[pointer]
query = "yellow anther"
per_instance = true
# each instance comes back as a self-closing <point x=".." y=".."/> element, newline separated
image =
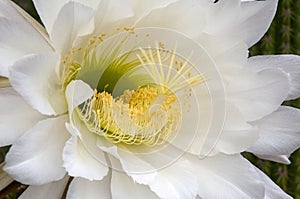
<point x="128" y="119"/>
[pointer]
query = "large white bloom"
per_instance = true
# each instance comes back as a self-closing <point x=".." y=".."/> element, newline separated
<point x="144" y="99"/>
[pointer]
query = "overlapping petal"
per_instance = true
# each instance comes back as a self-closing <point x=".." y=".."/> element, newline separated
<point x="191" y="13"/>
<point x="13" y="108"/>
<point x="16" y="42"/>
<point x="49" y="11"/>
<point x="236" y="130"/>
<point x="36" y="158"/>
<point x="79" y="162"/>
<point x="278" y="134"/>
<point x="34" y="77"/>
<point x="122" y="186"/>
<point x="53" y="190"/>
<point x="73" y="20"/>
<point x="257" y="94"/>
<point x="245" y="21"/>
<point x="82" y="188"/>
<point x="227" y="176"/>
<point x="76" y="93"/>
<point x="271" y="189"/>
<point x="290" y="64"/>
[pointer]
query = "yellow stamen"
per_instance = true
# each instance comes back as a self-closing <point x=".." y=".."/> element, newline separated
<point x="129" y="118"/>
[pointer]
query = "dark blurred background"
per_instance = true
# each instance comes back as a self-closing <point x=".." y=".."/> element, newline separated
<point x="282" y="37"/>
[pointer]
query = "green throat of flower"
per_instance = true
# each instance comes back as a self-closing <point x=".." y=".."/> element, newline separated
<point x="136" y="98"/>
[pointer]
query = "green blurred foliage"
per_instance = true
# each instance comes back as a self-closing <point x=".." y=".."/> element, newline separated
<point x="282" y="37"/>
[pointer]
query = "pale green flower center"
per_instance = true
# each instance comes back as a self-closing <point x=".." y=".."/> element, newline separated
<point x="135" y="99"/>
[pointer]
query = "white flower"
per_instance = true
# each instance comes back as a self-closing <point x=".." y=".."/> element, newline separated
<point x="144" y="99"/>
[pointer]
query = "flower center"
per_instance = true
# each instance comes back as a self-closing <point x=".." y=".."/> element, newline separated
<point x="138" y="90"/>
<point x="141" y="116"/>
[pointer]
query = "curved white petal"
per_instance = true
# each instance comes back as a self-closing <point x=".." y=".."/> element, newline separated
<point x="14" y="109"/>
<point x="191" y="13"/>
<point x="48" y="10"/>
<point x="17" y="39"/>
<point x="257" y="17"/>
<point x="113" y="15"/>
<point x="53" y="190"/>
<point x="122" y="186"/>
<point x="8" y="11"/>
<point x="284" y="159"/>
<point x="246" y="21"/>
<point x="36" y="158"/>
<point x="79" y="162"/>
<point x="81" y="188"/>
<point x="271" y="189"/>
<point x="13" y="12"/>
<point x="290" y="64"/>
<point x="279" y="133"/>
<point x="35" y="79"/>
<point x="226" y="175"/>
<point x="227" y="54"/>
<point x="257" y="93"/>
<point x="175" y="181"/>
<point x="134" y="165"/>
<point x="155" y="167"/>
<point x="76" y="93"/>
<point x="144" y="8"/>
<point x="73" y="20"/>
<point x="237" y="134"/>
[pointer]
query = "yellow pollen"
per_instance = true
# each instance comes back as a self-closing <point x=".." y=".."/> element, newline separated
<point x="129" y="28"/>
<point x="133" y="117"/>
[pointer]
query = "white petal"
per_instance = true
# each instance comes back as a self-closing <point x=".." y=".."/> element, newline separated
<point x="224" y="52"/>
<point x="279" y="133"/>
<point x="122" y="186"/>
<point x="246" y="21"/>
<point x="53" y="190"/>
<point x="35" y="79"/>
<point x="143" y="8"/>
<point x="76" y="93"/>
<point x="13" y="12"/>
<point x="257" y="94"/>
<point x="224" y="175"/>
<point x="111" y="11"/>
<point x="237" y="134"/>
<point x="8" y="11"/>
<point x="276" y="158"/>
<point x="36" y="158"/>
<point x="29" y="19"/>
<point x="175" y="181"/>
<point x="17" y="39"/>
<point x="134" y="165"/>
<point x="155" y="167"/>
<point x="14" y="109"/>
<point x="271" y="189"/>
<point x="73" y="20"/>
<point x="257" y="17"/>
<point x="48" y="10"/>
<point x="166" y="16"/>
<point x="79" y="162"/>
<point x="288" y="63"/>
<point x="81" y="188"/>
